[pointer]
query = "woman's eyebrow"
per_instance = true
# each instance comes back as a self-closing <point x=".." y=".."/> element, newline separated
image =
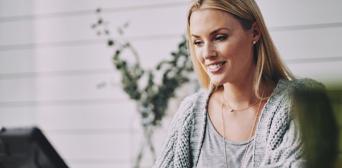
<point x="213" y="32"/>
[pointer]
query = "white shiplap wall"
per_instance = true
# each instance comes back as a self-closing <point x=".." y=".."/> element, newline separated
<point x="56" y="73"/>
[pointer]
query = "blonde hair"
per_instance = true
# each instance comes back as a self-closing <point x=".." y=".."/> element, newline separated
<point x="269" y="67"/>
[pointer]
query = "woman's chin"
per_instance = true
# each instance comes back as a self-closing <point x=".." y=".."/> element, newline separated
<point x="216" y="81"/>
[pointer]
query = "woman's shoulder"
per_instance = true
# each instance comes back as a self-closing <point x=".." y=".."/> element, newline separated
<point x="302" y="84"/>
<point x="281" y="102"/>
<point x="190" y="105"/>
<point x="285" y="89"/>
<point x="195" y="98"/>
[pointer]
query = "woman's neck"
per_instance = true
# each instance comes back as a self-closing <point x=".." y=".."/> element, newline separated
<point x="239" y="95"/>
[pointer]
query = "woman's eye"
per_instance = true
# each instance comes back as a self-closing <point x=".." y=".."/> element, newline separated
<point x="197" y="42"/>
<point x="220" y="37"/>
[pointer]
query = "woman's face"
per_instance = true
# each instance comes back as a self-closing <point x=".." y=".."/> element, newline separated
<point x="223" y="46"/>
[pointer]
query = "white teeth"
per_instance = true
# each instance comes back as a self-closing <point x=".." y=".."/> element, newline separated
<point x="215" y="67"/>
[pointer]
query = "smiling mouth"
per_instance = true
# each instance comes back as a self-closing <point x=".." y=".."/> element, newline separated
<point x="216" y="67"/>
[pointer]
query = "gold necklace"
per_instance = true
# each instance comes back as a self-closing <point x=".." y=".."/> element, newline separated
<point x="233" y="110"/>
<point x="250" y="136"/>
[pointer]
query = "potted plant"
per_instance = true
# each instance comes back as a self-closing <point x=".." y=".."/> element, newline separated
<point x="151" y="97"/>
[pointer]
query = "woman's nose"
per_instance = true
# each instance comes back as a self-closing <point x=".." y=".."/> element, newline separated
<point x="209" y="51"/>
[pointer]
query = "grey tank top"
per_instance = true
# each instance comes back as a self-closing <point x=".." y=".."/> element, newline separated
<point x="212" y="151"/>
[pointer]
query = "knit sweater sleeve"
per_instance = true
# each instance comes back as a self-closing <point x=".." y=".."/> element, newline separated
<point x="286" y="151"/>
<point x="175" y="152"/>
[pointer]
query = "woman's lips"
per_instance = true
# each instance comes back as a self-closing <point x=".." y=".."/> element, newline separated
<point x="215" y="67"/>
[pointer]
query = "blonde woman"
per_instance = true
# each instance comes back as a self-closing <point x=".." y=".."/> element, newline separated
<point x="242" y="116"/>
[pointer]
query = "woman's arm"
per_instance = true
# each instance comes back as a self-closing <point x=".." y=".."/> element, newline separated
<point x="286" y="151"/>
<point x="175" y="152"/>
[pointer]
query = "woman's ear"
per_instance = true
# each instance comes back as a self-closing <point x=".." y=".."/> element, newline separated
<point x="255" y="32"/>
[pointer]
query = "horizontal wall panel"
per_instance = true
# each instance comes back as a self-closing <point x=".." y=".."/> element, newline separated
<point x="312" y="43"/>
<point x="114" y="146"/>
<point x="88" y="118"/>
<point x="17" y="61"/>
<point x="78" y="119"/>
<point x="99" y="164"/>
<point x="17" y="116"/>
<point x="63" y="91"/>
<point x="9" y="8"/>
<point x="83" y="57"/>
<point x="67" y="58"/>
<point x="17" y="33"/>
<point x="142" y="23"/>
<point x="17" y="90"/>
<point x="305" y="12"/>
<point x="22" y="9"/>
<point x="327" y="72"/>
<point x="57" y="89"/>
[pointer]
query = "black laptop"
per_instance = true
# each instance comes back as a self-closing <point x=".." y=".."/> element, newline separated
<point x="27" y="148"/>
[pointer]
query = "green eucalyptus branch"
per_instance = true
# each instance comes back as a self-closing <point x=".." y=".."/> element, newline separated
<point x="153" y="97"/>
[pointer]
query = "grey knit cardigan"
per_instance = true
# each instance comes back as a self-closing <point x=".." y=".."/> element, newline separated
<point x="277" y="141"/>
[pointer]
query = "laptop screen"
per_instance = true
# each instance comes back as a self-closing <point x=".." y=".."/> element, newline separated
<point x="27" y="148"/>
